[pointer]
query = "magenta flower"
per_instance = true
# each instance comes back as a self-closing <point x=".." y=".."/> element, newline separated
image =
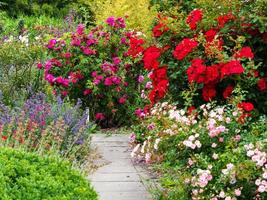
<point x="99" y="116"/>
<point x="39" y="65"/>
<point x="80" y="29"/>
<point x="87" y="92"/>
<point x="64" y="93"/>
<point x="48" y="65"/>
<point x="116" y="80"/>
<point x="120" y="23"/>
<point x="140" y="79"/>
<point x="50" y="78"/>
<point x="111" y="21"/>
<point x="51" y="44"/>
<point x="67" y="55"/>
<point x="116" y="60"/>
<point x="149" y="85"/>
<point x="75" y="42"/>
<point x="87" y="51"/>
<point x="122" y="100"/>
<point x="94" y="74"/>
<point x="132" y="138"/>
<point x="108" y="81"/>
<point x="123" y="40"/>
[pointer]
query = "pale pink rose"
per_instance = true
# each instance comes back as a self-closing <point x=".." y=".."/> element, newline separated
<point x="237" y="192"/>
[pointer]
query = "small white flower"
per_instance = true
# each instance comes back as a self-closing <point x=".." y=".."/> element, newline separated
<point x="198" y="144"/>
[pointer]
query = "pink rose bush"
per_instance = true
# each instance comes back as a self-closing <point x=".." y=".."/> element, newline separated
<point x="99" y="66"/>
<point x="213" y="152"/>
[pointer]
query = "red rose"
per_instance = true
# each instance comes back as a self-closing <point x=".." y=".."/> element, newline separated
<point x="222" y="20"/>
<point x="196" y="72"/>
<point x="212" y="74"/>
<point x="231" y="68"/>
<point x="185" y="47"/>
<point x="159" y="29"/>
<point x="247" y="106"/>
<point x="158" y="74"/>
<point x="208" y="92"/>
<point x="135" y="47"/>
<point x="4" y="138"/>
<point x="228" y="91"/>
<point x="193" y="18"/>
<point x="151" y="55"/>
<point x="191" y="109"/>
<point x="245" y="52"/>
<point x="210" y="35"/>
<point x="262" y="85"/>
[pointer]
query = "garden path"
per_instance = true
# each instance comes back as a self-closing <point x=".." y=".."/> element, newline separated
<point x="118" y="178"/>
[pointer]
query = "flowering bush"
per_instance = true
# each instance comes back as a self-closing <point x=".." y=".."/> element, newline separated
<point x="98" y="66"/>
<point x="39" y="125"/>
<point x="215" y="152"/>
<point x="204" y="56"/>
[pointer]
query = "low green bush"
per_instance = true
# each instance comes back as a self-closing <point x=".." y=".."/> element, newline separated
<point x="17" y="70"/>
<point x="28" y="176"/>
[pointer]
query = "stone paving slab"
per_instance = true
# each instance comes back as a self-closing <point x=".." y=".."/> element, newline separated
<point x="123" y="195"/>
<point x="119" y="179"/>
<point x="119" y="187"/>
<point x="115" y="177"/>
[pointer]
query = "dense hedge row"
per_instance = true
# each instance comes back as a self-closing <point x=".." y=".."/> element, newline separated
<point x="26" y="176"/>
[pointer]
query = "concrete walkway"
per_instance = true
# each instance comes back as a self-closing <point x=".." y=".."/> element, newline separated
<point x="117" y="178"/>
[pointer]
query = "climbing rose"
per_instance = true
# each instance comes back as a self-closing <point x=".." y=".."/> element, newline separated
<point x="212" y="74"/>
<point x="262" y="85"/>
<point x="185" y="47"/>
<point x="193" y="18"/>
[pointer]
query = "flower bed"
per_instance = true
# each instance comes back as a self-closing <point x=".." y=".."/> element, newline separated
<point x="210" y="153"/>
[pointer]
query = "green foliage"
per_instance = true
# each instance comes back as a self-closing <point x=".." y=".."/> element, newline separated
<point x="14" y="8"/>
<point x="16" y="68"/>
<point x="140" y="15"/>
<point x="27" y="176"/>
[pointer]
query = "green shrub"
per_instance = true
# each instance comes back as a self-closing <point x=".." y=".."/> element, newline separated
<point x="14" y="8"/>
<point x="27" y="176"/>
<point x="16" y="67"/>
<point x="140" y="15"/>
